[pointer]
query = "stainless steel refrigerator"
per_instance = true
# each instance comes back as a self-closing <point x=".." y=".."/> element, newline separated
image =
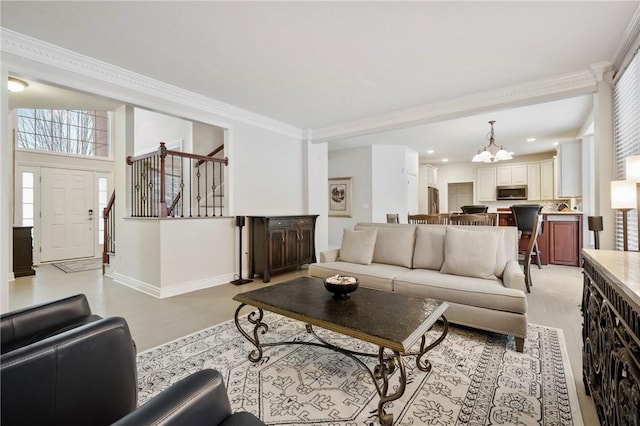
<point x="432" y="200"/>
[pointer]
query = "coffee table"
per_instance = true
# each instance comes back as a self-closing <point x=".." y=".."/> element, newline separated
<point x="393" y="322"/>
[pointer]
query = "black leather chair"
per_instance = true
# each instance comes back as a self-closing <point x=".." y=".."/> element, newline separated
<point x="29" y="325"/>
<point x="525" y="216"/>
<point x="197" y="400"/>
<point x="83" y="376"/>
<point x="62" y="365"/>
<point x="474" y="209"/>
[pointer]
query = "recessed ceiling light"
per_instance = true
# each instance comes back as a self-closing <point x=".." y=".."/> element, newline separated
<point x="430" y="151"/>
<point x="531" y="139"/>
<point x="555" y="144"/>
<point x="444" y="160"/>
<point x="16" y="85"/>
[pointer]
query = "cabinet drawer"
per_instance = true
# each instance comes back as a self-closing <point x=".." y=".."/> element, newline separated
<point x="303" y="222"/>
<point x="278" y="223"/>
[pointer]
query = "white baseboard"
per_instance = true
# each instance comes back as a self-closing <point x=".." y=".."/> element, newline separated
<point x="173" y="290"/>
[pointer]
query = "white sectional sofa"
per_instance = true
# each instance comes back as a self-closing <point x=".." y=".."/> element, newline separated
<point x="473" y="268"/>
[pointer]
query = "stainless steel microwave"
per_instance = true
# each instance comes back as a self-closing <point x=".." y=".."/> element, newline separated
<point x="511" y="192"/>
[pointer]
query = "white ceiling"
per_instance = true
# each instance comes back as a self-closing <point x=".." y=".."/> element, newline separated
<point x="318" y="65"/>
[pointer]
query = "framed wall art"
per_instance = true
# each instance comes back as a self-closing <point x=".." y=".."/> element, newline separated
<point x="340" y="195"/>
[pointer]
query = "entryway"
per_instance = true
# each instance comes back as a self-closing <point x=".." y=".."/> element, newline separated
<point x="67" y="214"/>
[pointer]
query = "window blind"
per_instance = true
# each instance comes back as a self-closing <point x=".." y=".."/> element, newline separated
<point x="626" y="116"/>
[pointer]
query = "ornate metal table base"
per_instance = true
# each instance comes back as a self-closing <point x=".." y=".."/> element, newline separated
<point x="381" y="373"/>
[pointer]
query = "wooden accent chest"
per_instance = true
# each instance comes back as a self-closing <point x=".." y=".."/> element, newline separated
<point x="280" y="243"/>
<point x="22" y="251"/>
<point x="611" y="334"/>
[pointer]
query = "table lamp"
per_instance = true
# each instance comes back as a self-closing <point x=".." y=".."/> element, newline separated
<point x="633" y="174"/>
<point x="623" y="198"/>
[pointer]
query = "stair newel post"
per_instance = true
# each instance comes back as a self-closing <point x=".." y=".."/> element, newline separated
<point x="162" y="205"/>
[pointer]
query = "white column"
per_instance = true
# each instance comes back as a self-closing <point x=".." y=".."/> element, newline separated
<point x="6" y="197"/>
<point x="604" y="156"/>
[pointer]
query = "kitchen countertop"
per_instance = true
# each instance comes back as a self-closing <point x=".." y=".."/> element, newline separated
<point x="544" y="212"/>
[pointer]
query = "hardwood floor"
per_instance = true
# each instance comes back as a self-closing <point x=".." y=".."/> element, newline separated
<point x="554" y="301"/>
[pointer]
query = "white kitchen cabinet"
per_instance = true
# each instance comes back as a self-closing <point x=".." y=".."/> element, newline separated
<point x="546" y="180"/>
<point x="533" y="181"/>
<point x="511" y="175"/>
<point x="503" y="175"/>
<point x="486" y="184"/>
<point x="519" y="174"/>
<point x="570" y="169"/>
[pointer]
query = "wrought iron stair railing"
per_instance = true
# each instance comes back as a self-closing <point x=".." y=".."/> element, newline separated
<point x="170" y="183"/>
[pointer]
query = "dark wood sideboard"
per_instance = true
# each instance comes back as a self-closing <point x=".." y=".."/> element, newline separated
<point x="22" y="251"/>
<point x="611" y="334"/>
<point x="280" y="243"/>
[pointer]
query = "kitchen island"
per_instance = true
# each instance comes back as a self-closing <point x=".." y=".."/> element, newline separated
<point x="560" y="242"/>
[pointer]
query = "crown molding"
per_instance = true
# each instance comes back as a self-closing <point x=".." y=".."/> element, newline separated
<point x="512" y="96"/>
<point x="128" y="86"/>
<point x="630" y="42"/>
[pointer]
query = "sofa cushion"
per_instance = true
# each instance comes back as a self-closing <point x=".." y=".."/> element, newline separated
<point x="378" y="276"/>
<point x="470" y="253"/>
<point x="394" y="245"/>
<point x="358" y="246"/>
<point x="483" y="293"/>
<point x="429" y="248"/>
<point x="501" y="256"/>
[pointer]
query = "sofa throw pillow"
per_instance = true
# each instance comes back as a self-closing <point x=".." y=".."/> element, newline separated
<point x="429" y="249"/>
<point x="394" y="245"/>
<point x="501" y="256"/>
<point x="358" y="246"/>
<point x="470" y="253"/>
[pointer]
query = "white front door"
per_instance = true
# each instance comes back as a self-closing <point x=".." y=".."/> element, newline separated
<point x="67" y="224"/>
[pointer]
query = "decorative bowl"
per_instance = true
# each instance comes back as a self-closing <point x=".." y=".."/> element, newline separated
<point x="341" y="285"/>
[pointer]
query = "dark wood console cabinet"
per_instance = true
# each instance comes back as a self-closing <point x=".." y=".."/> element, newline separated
<point x="280" y="243"/>
<point x="611" y="334"/>
<point x="22" y="251"/>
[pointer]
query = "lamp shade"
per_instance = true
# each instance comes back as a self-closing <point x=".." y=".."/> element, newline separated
<point x="623" y="194"/>
<point x="633" y="168"/>
<point x="595" y="223"/>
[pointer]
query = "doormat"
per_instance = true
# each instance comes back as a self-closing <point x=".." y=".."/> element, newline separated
<point x="79" y="265"/>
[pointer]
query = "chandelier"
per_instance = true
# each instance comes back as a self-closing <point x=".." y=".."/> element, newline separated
<point x="491" y="153"/>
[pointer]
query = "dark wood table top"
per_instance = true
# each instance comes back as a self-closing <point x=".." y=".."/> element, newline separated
<point x="387" y="319"/>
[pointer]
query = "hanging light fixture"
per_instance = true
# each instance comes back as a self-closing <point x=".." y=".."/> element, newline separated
<point x="491" y="153"/>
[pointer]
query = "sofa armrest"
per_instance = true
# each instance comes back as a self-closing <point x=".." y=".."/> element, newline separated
<point x="513" y="277"/>
<point x="329" y="255"/>
<point x="84" y="376"/>
<point x="200" y="399"/>
<point x="25" y="326"/>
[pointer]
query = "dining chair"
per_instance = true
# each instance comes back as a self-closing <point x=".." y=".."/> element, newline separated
<point x="524" y="216"/>
<point x="425" y="219"/>
<point x="524" y="257"/>
<point x="478" y="219"/>
<point x="393" y="218"/>
<point x="471" y="209"/>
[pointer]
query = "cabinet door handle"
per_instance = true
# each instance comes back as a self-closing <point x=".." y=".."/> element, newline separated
<point x="283" y="239"/>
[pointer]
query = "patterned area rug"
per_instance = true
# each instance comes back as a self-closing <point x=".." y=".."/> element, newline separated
<point x="79" y="265"/>
<point x="477" y="378"/>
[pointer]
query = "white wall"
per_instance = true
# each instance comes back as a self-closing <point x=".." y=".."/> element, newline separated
<point x="268" y="172"/>
<point x="354" y="163"/>
<point x="151" y="128"/>
<point x="389" y="182"/>
<point x="206" y="138"/>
